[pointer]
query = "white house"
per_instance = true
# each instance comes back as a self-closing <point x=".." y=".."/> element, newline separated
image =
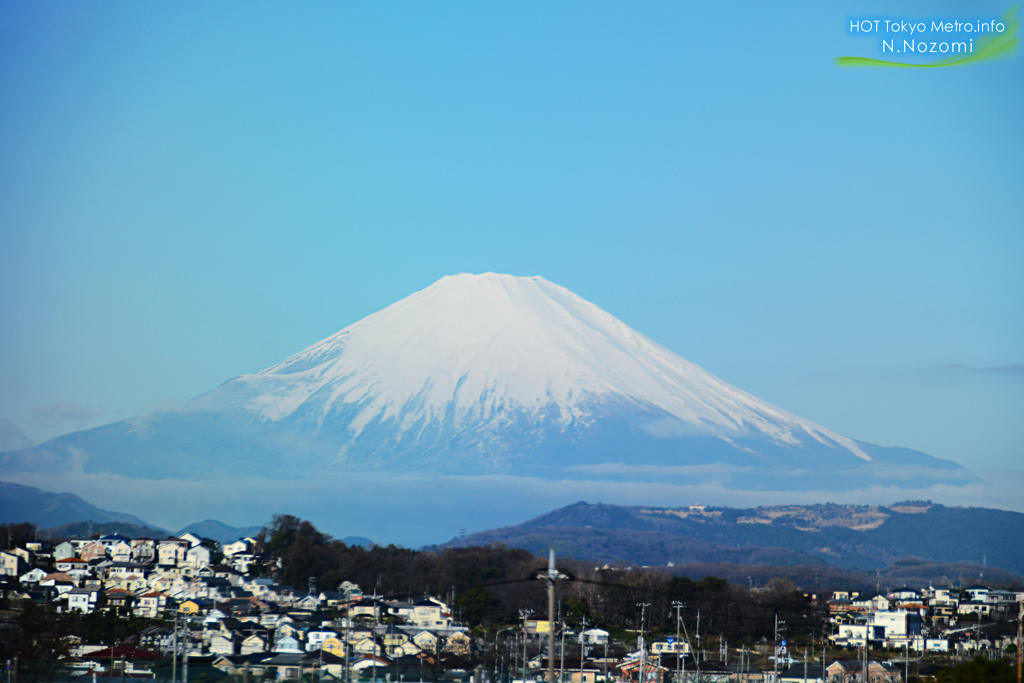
<point x="423" y="613"/>
<point x="242" y="545"/>
<point x="121" y="552"/>
<point x="192" y="539"/>
<point x="897" y="627"/>
<point x="314" y="639"/>
<point x="34" y="576"/>
<point x="82" y="600"/>
<point x="198" y="556"/>
<point x="288" y="643"/>
<point x="171" y="551"/>
<point x="222" y="645"/>
<point x="850" y="634"/>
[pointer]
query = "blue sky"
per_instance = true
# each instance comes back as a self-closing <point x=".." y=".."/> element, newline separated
<point x="193" y="191"/>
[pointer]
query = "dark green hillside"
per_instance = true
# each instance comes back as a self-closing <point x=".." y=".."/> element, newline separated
<point x="949" y="534"/>
<point x="851" y="537"/>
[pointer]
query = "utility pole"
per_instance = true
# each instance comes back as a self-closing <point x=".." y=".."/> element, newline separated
<point x="824" y="657"/>
<point x="174" y="652"/>
<point x="583" y="647"/>
<point x="679" y="618"/>
<point x="551" y="576"/>
<point x="643" y="646"/>
<point x="561" y="652"/>
<point x="523" y="613"/>
<point x="777" y="624"/>
<point x="1020" y="626"/>
<point x="697" y="657"/>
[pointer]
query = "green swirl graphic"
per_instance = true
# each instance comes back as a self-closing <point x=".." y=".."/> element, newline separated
<point x="988" y="47"/>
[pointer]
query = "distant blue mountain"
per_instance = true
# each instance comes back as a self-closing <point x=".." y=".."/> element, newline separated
<point x="19" y="503"/>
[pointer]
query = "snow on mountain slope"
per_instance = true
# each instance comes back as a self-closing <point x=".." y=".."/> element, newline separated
<point x="489" y="375"/>
<point x="490" y="349"/>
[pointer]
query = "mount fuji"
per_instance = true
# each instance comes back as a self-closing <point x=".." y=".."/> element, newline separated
<point x="489" y="375"/>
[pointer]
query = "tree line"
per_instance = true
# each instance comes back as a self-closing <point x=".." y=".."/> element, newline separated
<point x="488" y="586"/>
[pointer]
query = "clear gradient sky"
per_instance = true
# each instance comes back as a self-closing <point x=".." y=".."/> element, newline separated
<point x="192" y="191"/>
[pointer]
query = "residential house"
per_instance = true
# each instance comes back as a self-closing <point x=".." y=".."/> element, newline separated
<point x="459" y="643"/>
<point x="976" y="592"/>
<point x="221" y="644"/>
<point x="287" y="643"/>
<point x="423" y="613"/>
<point x="128" y="582"/>
<point x="843" y="670"/>
<point x="259" y="587"/>
<point x="84" y="600"/>
<point x="192" y="539"/>
<point x="653" y="673"/>
<point x="242" y="561"/>
<point x="93" y="550"/>
<point x="11" y="564"/>
<point x="335" y="645"/>
<point x="64" y="550"/>
<point x="143" y="550"/>
<point x="111" y="540"/>
<point x="230" y="574"/>
<point x="242" y="545"/>
<point x="257" y="642"/>
<point x="595" y="636"/>
<point x="120" y="600"/>
<point x="427" y="641"/>
<point x="173" y="585"/>
<point x="897" y="627"/>
<point x="922" y="644"/>
<point x="670" y="645"/>
<point x="198" y="556"/>
<point x="369" y="645"/>
<point x="121" y="552"/>
<point x="66" y="564"/>
<point x="32" y="576"/>
<point x="800" y="673"/>
<point x="369" y="609"/>
<point x="980" y="608"/>
<point x="151" y="604"/>
<point x="25" y="554"/>
<point x="1002" y="601"/>
<point x="872" y="603"/>
<point x="170" y="552"/>
<point x="288" y="665"/>
<point x="309" y="602"/>
<point x="851" y="635"/>
<point x="195" y="606"/>
<point x="115" y="568"/>
<point x="60" y="582"/>
<point x="393" y="640"/>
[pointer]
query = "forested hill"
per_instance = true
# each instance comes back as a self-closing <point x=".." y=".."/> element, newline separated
<point x="848" y="536"/>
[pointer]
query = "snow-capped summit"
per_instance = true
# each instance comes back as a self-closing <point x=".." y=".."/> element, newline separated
<point x="484" y="374"/>
<point x="496" y="349"/>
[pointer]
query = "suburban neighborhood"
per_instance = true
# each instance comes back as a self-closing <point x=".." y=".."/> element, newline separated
<point x="208" y="611"/>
